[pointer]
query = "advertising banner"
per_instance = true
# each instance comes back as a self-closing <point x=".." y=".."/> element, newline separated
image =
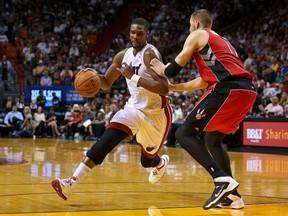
<point x="67" y="94"/>
<point x="273" y="134"/>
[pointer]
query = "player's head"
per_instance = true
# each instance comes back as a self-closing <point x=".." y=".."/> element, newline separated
<point x="200" y="19"/>
<point x="138" y="32"/>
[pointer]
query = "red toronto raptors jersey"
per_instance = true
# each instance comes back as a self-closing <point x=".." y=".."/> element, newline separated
<point x="218" y="60"/>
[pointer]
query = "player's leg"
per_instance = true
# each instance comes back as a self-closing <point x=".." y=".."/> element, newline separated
<point x="147" y="162"/>
<point x="213" y="140"/>
<point x="158" y="125"/>
<point x="95" y="156"/>
<point x="195" y="123"/>
<point x="160" y="165"/>
<point x="123" y="124"/>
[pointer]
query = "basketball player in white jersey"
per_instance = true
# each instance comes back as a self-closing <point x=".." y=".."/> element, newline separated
<point x="146" y="115"/>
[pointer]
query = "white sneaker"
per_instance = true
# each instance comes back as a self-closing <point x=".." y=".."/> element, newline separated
<point x="223" y="187"/>
<point x="63" y="187"/>
<point x="157" y="173"/>
<point x="231" y="201"/>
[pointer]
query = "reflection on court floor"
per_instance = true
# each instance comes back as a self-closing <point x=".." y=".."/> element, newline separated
<point x="120" y="185"/>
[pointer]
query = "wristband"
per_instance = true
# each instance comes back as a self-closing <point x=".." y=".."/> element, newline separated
<point x="172" y="70"/>
<point x="135" y="79"/>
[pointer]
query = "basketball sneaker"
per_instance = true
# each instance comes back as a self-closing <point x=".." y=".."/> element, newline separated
<point x="223" y="187"/>
<point x="231" y="201"/>
<point x="157" y="173"/>
<point x="63" y="187"/>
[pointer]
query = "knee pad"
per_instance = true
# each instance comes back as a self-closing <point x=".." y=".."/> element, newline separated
<point x="111" y="138"/>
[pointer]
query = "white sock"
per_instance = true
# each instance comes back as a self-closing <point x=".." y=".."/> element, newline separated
<point x="81" y="172"/>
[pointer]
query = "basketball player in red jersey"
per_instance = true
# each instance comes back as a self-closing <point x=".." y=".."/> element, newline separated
<point x="146" y="114"/>
<point x="228" y="99"/>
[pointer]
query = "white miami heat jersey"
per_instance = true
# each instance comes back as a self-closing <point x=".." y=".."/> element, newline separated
<point x="141" y="98"/>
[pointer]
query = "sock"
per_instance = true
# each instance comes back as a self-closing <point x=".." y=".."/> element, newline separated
<point x="215" y="171"/>
<point x="80" y="172"/>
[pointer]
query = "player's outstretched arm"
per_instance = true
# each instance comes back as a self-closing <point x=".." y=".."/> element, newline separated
<point x="192" y="85"/>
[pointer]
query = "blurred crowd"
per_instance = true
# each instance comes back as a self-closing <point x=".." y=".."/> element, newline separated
<point x="50" y="45"/>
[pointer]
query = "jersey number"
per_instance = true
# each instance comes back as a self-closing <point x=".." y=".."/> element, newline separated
<point x="136" y="69"/>
<point x="230" y="47"/>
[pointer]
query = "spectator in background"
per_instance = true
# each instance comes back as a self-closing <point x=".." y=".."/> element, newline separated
<point x="177" y="114"/>
<point x="274" y="108"/>
<point x="284" y="68"/>
<point x="90" y="103"/>
<point x="286" y="111"/>
<point x="285" y="83"/>
<point x="271" y="92"/>
<point x="28" y="126"/>
<point x="41" y="99"/>
<point x="74" y="123"/>
<point x="33" y="107"/>
<point x="46" y="80"/>
<point x="22" y="101"/>
<point x="177" y="121"/>
<point x="56" y="80"/>
<point x="88" y="117"/>
<point x="40" y="122"/>
<point x="51" y="120"/>
<point x="19" y="105"/>
<point x="99" y="124"/>
<point x="113" y="109"/>
<point x="74" y="50"/>
<point x="55" y="100"/>
<point x="8" y="104"/>
<point x="258" y="107"/>
<point x="3" y="38"/>
<point x="14" y="119"/>
<point x="66" y="76"/>
<point x="6" y="69"/>
<point x="279" y="77"/>
<point x="284" y="99"/>
<point x="38" y="71"/>
<point x="108" y="113"/>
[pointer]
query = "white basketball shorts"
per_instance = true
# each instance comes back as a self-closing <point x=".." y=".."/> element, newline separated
<point x="150" y="129"/>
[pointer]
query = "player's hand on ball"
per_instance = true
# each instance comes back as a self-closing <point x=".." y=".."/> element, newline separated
<point x="87" y="82"/>
<point x="126" y="70"/>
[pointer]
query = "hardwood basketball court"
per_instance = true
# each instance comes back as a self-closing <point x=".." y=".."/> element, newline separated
<point x="120" y="185"/>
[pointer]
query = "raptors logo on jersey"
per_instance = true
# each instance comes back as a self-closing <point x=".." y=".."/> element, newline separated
<point x="200" y="114"/>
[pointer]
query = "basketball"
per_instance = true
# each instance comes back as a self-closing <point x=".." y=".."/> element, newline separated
<point x="87" y="82"/>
